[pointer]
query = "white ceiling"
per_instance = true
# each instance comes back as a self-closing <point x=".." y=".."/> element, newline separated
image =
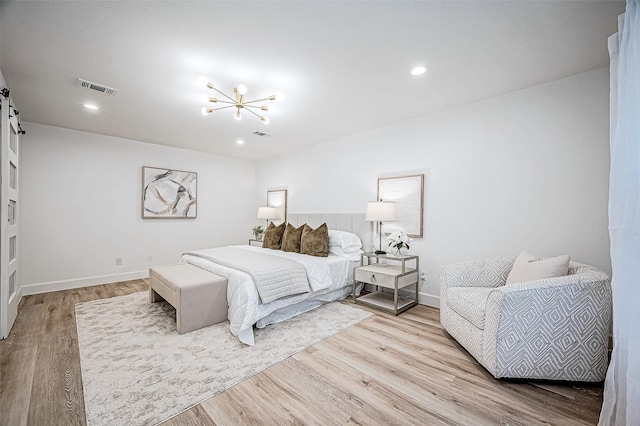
<point x="343" y="67"/>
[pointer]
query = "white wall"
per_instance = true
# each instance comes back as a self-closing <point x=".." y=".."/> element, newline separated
<point x="81" y="207"/>
<point x="525" y="170"/>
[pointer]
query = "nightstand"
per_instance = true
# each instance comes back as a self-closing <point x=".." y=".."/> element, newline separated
<point x="393" y="274"/>
<point x="257" y="243"/>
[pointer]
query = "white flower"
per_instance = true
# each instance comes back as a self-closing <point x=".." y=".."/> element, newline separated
<point x="398" y="239"/>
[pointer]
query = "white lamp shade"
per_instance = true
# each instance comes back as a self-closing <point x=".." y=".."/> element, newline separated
<point x="380" y="211"/>
<point x="268" y="213"/>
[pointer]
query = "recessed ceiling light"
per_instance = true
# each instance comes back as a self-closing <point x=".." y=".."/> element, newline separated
<point x="240" y="142"/>
<point x="90" y="106"/>
<point x="418" y="71"/>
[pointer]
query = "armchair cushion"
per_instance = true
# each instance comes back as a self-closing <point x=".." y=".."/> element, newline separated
<point x="527" y="267"/>
<point x="470" y="302"/>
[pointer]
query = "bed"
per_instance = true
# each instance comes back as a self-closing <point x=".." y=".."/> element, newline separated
<point x="330" y="278"/>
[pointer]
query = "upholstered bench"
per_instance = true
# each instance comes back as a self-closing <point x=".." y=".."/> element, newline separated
<point x="199" y="296"/>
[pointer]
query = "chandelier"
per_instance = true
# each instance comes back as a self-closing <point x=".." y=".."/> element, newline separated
<point x="239" y="103"/>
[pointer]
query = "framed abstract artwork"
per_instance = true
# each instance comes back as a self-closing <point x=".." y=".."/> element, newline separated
<point x="278" y="199"/>
<point x="408" y="194"/>
<point x="169" y="194"/>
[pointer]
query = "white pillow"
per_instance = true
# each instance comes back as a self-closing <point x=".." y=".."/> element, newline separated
<point x="347" y="241"/>
<point x="528" y="268"/>
<point x="353" y="256"/>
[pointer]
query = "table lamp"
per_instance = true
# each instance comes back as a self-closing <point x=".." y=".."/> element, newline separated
<point x="268" y="213"/>
<point x="380" y="211"/>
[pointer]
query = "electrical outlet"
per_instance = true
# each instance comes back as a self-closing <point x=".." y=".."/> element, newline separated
<point x="118" y="261"/>
<point x="423" y="277"/>
<point x="150" y="258"/>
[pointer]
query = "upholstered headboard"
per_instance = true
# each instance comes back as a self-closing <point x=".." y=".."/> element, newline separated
<point x="351" y="222"/>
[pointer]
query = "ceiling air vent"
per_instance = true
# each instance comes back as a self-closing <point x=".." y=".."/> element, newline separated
<point x="97" y="87"/>
<point x="261" y="134"/>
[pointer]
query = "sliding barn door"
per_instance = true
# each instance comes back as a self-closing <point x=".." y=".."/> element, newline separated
<point x="9" y="296"/>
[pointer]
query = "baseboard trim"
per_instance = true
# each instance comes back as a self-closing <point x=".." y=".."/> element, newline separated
<point x="19" y="295"/>
<point x="429" y="300"/>
<point x="81" y="282"/>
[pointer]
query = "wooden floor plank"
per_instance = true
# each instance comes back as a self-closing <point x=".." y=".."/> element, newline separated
<point x="407" y="378"/>
<point x="59" y="312"/>
<point x="57" y="386"/>
<point x="16" y="377"/>
<point x="384" y="370"/>
<point x="195" y="416"/>
<point x="249" y="404"/>
<point x="28" y="324"/>
<point x="390" y="404"/>
<point x="308" y="393"/>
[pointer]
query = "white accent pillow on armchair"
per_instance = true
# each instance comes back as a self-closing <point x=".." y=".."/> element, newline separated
<point x="527" y="267"/>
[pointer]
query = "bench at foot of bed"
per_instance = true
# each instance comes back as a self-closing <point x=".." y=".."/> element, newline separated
<point x="199" y="296"/>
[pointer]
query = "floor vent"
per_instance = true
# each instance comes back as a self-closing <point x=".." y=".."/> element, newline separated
<point x="261" y="134"/>
<point x="97" y="87"/>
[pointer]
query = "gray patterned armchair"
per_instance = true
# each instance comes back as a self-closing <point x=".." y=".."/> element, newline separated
<point x="555" y="328"/>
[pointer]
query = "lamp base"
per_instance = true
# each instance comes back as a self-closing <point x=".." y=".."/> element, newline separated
<point x="380" y="252"/>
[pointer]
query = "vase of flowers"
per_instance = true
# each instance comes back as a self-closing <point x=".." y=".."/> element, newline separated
<point x="258" y="232"/>
<point x="398" y="243"/>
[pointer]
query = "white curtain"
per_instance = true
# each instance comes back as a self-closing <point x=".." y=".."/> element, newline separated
<point x="622" y="386"/>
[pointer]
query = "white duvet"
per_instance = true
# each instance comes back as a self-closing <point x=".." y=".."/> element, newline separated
<point x="325" y="274"/>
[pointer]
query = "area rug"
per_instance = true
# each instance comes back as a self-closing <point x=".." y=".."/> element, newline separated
<point x="137" y="369"/>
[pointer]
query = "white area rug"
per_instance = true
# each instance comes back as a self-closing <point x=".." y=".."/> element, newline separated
<point x="137" y="369"/>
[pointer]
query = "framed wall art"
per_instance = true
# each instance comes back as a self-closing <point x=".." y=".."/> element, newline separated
<point x="408" y="194"/>
<point x="169" y="194"/>
<point x="278" y="199"/>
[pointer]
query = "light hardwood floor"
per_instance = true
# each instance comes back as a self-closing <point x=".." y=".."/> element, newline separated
<point x="385" y="370"/>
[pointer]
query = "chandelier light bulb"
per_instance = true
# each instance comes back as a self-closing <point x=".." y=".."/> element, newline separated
<point x="204" y="99"/>
<point x="265" y="120"/>
<point x="242" y="89"/>
<point x="279" y="96"/>
<point x="240" y="142"/>
<point x="237" y="115"/>
<point x="204" y="111"/>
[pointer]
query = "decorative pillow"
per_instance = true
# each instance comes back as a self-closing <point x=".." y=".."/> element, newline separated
<point x="347" y="241"/>
<point x="315" y="242"/>
<point x="528" y="268"/>
<point x="291" y="238"/>
<point x="353" y="256"/>
<point x="273" y="236"/>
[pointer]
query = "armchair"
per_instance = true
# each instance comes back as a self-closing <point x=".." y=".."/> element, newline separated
<point x="554" y="328"/>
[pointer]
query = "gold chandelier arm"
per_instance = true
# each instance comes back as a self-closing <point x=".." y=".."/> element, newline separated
<point x="224" y="107"/>
<point x="259" y="100"/>
<point x="248" y="110"/>
<point x="224" y="102"/>
<point x="257" y="107"/>
<point x="226" y="96"/>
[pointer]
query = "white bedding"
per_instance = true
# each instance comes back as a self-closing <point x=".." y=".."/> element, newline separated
<point x="275" y="277"/>
<point x="329" y="278"/>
